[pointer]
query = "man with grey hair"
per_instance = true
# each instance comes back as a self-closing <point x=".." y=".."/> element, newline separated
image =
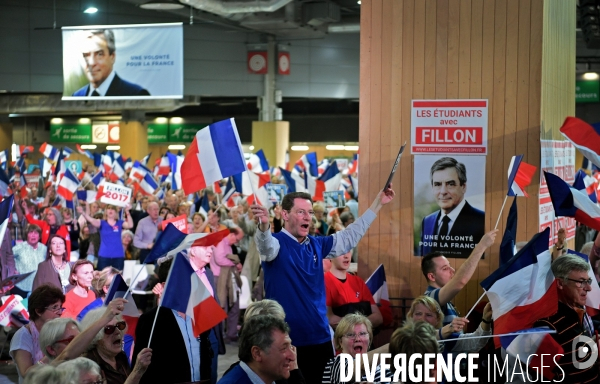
<point x="99" y="55"/>
<point x="265" y="352"/>
<point x="146" y="231"/>
<point x="457" y="227"/>
<point x="572" y="324"/>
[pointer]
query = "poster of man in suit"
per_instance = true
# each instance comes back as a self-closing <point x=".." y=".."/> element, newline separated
<point x="449" y="204"/>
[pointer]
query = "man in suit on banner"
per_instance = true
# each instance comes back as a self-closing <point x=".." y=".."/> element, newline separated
<point x="98" y="50"/>
<point x="457" y="227"/>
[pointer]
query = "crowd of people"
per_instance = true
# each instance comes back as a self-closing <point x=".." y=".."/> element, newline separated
<point x="295" y="256"/>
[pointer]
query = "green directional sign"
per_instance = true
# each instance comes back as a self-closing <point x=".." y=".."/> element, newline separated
<point x="587" y="91"/>
<point x="71" y="133"/>
<point x="158" y="133"/>
<point x="184" y="132"/>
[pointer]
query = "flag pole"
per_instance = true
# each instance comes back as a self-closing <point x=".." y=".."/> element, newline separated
<point x="153" y="325"/>
<point x="500" y="214"/>
<point x="160" y="302"/>
<point x="549" y="331"/>
<point x="133" y="281"/>
<point x="477" y="302"/>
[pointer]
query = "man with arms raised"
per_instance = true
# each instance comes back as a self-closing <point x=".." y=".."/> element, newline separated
<point x="293" y="271"/>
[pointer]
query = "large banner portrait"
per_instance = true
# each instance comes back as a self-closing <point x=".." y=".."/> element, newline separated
<point x="449" y="198"/>
<point x="123" y="62"/>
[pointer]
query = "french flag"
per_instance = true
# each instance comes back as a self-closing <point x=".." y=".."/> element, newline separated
<point x="354" y="182"/>
<point x="146" y="159"/>
<point x="67" y="152"/>
<point x="585" y="182"/>
<point x="330" y="180"/>
<point x="68" y="185"/>
<point x="377" y="285"/>
<point x="175" y="163"/>
<point x="84" y="152"/>
<point x="258" y="162"/>
<point x="353" y="166"/>
<point x="138" y="171"/>
<point x="534" y="343"/>
<point x="4" y="183"/>
<point x="570" y="202"/>
<point x="308" y="164"/>
<point x="22" y="150"/>
<point x="229" y="192"/>
<point x="162" y="166"/>
<point x="117" y="290"/>
<point x="592" y="301"/>
<point x="294" y="181"/>
<point x="107" y="162"/>
<point x="523" y="289"/>
<point x="215" y="153"/>
<point x="519" y="176"/>
<point x="97" y="178"/>
<point x="148" y="185"/>
<point x="172" y="241"/>
<point x="48" y="151"/>
<point x="584" y="137"/>
<point x="185" y="292"/>
<point x="5" y="215"/>
<point x="87" y="196"/>
<point x="202" y="205"/>
<point x="4" y="156"/>
<point x="254" y="185"/>
<point x="118" y="168"/>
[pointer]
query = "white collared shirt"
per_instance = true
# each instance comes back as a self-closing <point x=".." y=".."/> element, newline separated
<point x="254" y="378"/>
<point x="452" y="216"/>
<point x="103" y="88"/>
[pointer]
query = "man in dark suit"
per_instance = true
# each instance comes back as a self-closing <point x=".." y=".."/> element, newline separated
<point x="98" y="49"/>
<point x="457" y="227"/>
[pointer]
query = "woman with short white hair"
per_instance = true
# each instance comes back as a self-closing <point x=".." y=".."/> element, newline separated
<point x="56" y="335"/>
<point x="80" y="370"/>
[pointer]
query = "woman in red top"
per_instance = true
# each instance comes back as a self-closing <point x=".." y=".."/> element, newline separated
<point x="80" y="296"/>
<point x="52" y="224"/>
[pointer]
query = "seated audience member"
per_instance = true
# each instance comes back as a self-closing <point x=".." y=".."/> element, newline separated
<point x="178" y="356"/>
<point x="28" y="254"/>
<point x="106" y="350"/>
<point x="353" y="336"/>
<point x="81" y="370"/>
<point x="272" y="308"/>
<point x="55" y="270"/>
<point x="45" y="304"/>
<point x="265" y="352"/>
<point x="56" y="334"/>
<point x="346" y="293"/>
<point x="81" y="295"/>
<point x="444" y="284"/>
<point x="44" y="374"/>
<point x="573" y="281"/>
<point x="424" y="308"/>
<point x="100" y="285"/>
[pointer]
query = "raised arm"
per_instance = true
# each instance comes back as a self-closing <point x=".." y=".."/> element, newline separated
<point x="129" y="223"/>
<point x="86" y="214"/>
<point x="465" y="272"/>
<point x="267" y="245"/>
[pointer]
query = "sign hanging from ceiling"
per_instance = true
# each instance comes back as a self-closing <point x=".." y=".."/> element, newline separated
<point x="283" y="63"/>
<point x="120" y="62"/>
<point x="257" y="62"/>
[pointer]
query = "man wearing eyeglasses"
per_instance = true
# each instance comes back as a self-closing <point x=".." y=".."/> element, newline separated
<point x="293" y="272"/>
<point x="571" y="321"/>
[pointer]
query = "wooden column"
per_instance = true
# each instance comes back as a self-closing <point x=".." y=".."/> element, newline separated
<point x="273" y="137"/>
<point x="6" y="132"/>
<point x="133" y="135"/>
<point x="518" y="54"/>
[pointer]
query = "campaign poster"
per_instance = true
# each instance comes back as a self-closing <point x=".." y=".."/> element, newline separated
<point x="119" y="62"/>
<point x="449" y="204"/>
<point x="557" y="157"/>
<point x="276" y="192"/>
<point x="334" y="199"/>
<point x="449" y="126"/>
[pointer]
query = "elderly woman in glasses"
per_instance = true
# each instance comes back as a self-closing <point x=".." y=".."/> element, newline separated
<point x="45" y="304"/>
<point x="106" y="349"/>
<point x="56" y="335"/>
<point x="353" y="336"/>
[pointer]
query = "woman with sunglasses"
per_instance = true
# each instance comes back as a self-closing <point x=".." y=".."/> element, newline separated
<point x="55" y="270"/>
<point x="45" y="304"/>
<point x="82" y="274"/>
<point x="353" y="335"/>
<point x="106" y="349"/>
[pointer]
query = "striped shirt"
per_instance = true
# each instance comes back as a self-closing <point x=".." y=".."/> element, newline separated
<point x="449" y="311"/>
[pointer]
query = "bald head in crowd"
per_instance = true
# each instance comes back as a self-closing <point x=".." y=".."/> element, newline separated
<point x="172" y="201"/>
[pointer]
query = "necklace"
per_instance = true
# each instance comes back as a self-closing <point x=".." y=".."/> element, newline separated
<point x="59" y="267"/>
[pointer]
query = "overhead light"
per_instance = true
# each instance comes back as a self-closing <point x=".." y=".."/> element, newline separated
<point x="13" y="152"/>
<point x="351" y="147"/>
<point x="159" y="5"/>
<point x="176" y="120"/>
<point x="358" y="2"/>
<point x="161" y="120"/>
<point x="84" y="120"/>
<point x="56" y="120"/>
<point x="334" y="147"/>
<point x="113" y="147"/>
<point x="299" y="148"/>
<point x="177" y="146"/>
<point x="88" y="146"/>
<point x="251" y="147"/>
<point x="590" y="76"/>
<point x="91" y="10"/>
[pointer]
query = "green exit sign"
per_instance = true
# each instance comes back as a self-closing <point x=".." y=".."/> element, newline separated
<point x="587" y="91"/>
